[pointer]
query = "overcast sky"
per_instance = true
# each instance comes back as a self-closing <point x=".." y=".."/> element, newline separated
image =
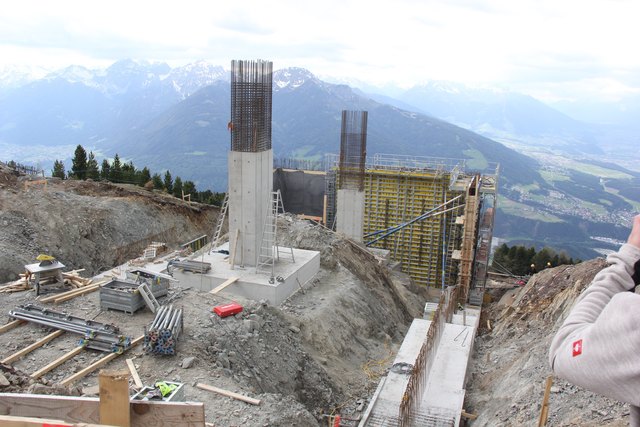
<point x="552" y="49"/>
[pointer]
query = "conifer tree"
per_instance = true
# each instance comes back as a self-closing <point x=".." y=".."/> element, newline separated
<point x="92" y="167"/>
<point x="58" y="170"/>
<point x="79" y="166"/>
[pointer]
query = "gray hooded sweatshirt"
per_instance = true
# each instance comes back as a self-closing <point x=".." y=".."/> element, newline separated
<point x="598" y="345"/>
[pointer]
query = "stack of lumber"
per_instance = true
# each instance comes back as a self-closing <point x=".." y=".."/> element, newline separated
<point x="16" y="286"/>
<point x="73" y="279"/>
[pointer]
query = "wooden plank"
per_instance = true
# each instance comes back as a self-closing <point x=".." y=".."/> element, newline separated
<point x="17" y="355"/>
<point x="86" y="410"/>
<point x="232" y="258"/>
<point x="77" y="293"/>
<point x="544" y="410"/>
<point x="134" y="373"/>
<point x="59" y="361"/>
<point x="228" y="393"/>
<point x="224" y="285"/>
<point x="114" y="398"/>
<point x="11" y="421"/>
<point x="11" y="325"/>
<point x="95" y="365"/>
<point x="64" y="294"/>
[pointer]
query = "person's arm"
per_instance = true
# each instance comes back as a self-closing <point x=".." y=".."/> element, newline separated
<point x="598" y="345"/>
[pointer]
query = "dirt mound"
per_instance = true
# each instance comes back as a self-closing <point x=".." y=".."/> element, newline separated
<point x="90" y="225"/>
<point x="510" y="362"/>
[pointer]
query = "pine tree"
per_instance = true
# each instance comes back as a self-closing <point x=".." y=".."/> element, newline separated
<point x="145" y="176"/>
<point x="115" y="174"/>
<point x="105" y="171"/>
<point x="58" y="170"/>
<point x="92" y="167"/>
<point x="168" y="182"/>
<point x="177" y="187"/>
<point x="79" y="167"/>
<point x="189" y="188"/>
<point x="157" y="182"/>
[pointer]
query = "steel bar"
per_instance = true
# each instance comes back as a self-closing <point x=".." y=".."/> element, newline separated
<point x="353" y="150"/>
<point x="251" y="105"/>
<point x="96" y="335"/>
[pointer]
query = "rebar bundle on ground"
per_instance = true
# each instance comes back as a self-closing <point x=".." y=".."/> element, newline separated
<point x="96" y="335"/>
<point x="161" y="337"/>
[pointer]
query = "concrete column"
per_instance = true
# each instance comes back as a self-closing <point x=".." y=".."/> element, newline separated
<point x="350" y="213"/>
<point x="250" y="186"/>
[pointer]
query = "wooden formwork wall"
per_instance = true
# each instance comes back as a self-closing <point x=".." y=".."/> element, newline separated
<point x="425" y="248"/>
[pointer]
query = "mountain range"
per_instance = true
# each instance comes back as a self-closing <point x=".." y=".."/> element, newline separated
<point x="554" y="191"/>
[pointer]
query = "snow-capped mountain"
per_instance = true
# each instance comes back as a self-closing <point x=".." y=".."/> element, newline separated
<point x="15" y="76"/>
<point x="292" y="78"/>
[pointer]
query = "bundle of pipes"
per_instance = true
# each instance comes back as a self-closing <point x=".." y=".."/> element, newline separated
<point x="96" y="335"/>
<point x="161" y="336"/>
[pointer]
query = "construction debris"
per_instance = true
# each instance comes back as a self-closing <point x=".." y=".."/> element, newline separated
<point x="161" y="337"/>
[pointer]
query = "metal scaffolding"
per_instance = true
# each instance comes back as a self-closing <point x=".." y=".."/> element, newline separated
<point x="415" y="198"/>
<point x="353" y="150"/>
<point x="251" y="94"/>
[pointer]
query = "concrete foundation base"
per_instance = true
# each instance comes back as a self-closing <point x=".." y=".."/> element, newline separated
<point x="289" y="276"/>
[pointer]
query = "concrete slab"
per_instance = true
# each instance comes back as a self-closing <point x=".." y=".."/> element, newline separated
<point x="289" y="276"/>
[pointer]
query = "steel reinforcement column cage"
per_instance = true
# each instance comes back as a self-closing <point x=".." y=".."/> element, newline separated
<point x="353" y="146"/>
<point x="251" y="98"/>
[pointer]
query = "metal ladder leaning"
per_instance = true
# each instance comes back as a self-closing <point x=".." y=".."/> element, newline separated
<point x="148" y="297"/>
<point x="269" y="251"/>
<point x="220" y="223"/>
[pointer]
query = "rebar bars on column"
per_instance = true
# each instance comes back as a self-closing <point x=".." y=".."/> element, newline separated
<point x="353" y="150"/>
<point x="251" y="94"/>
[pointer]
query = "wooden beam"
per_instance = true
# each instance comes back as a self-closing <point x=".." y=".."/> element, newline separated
<point x="228" y="393"/>
<point x="11" y="325"/>
<point x="95" y="365"/>
<point x="86" y="410"/>
<point x="544" y="410"/>
<point x="10" y="421"/>
<point x="59" y="361"/>
<point x="17" y="355"/>
<point x="134" y="373"/>
<point x="232" y="258"/>
<point x="224" y="285"/>
<point x="114" y="398"/>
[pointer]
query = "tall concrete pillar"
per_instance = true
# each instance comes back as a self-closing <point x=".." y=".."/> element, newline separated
<point x="350" y="193"/>
<point x="250" y="161"/>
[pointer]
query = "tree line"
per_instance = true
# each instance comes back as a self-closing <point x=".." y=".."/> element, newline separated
<point x="521" y="261"/>
<point x="86" y="167"/>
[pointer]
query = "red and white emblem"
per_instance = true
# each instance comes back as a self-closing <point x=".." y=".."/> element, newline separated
<point x="577" y="348"/>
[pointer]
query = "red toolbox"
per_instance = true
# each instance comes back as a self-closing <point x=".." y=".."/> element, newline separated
<point x="227" y="309"/>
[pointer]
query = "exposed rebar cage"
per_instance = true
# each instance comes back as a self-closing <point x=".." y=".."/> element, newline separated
<point x="251" y="105"/>
<point x="353" y="150"/>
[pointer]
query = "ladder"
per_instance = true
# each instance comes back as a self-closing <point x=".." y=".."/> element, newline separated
<point x="269" y="251"/>
<point x="148" y="297"/>
<point x="220" y="223"/>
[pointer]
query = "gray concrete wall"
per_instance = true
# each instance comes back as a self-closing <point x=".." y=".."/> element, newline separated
<point x="250" y="186"/>
<point x="350" y="213"/>
<point x="302" y="191"/>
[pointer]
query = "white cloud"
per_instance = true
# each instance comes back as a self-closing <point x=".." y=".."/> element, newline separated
<point x="534" y="42"/>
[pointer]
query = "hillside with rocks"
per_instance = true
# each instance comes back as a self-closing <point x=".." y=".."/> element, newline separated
<point x="90" y="225"/>
<point x="510" y="363"/>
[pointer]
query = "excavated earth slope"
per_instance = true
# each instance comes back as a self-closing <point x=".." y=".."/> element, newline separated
<point x="510" y="363"/>
<point x="90" y="225"/>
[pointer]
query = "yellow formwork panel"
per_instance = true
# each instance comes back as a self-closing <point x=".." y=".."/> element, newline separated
<point x="394" y="197"/>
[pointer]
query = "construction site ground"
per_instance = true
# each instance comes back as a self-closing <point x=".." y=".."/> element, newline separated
<point x="321" y="352"/>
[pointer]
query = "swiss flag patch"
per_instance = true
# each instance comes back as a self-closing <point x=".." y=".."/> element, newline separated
<point x="577" y="348"/>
